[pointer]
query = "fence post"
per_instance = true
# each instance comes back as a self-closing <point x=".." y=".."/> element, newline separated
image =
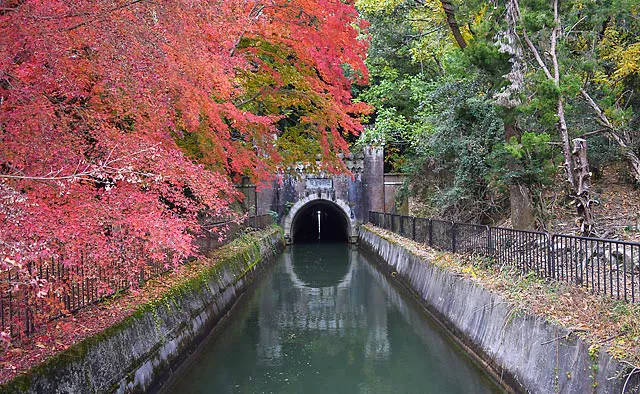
<point x="402" y="225"/>
<point x="453" y="237"/>
<point x="413" y="228"/>
<point x="489" y="241"/>
<point x="550" y="256"/>
<point x="430" y="233"/>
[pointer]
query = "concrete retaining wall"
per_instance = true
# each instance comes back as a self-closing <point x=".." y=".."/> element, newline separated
<point x="137" y="354"/>
<point x="526" y="352"/>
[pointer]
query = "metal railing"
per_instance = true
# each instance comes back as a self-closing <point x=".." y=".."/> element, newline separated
<point x="86" y="283"/>
<point x="603" y="266"/>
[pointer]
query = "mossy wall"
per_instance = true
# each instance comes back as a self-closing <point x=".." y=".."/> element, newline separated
<point x="526" y="352"/>
<point x="136" y="354"/>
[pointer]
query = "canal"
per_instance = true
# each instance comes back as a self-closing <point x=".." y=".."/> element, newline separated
<point x="325" y="320"/>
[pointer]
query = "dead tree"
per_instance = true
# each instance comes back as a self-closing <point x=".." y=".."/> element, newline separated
<point x="582" y="176"/>
<point x="581" y="197"/>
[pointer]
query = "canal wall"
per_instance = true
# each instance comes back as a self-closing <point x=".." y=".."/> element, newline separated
<point x="137" y="354"/>
<point x="526" y="353"/>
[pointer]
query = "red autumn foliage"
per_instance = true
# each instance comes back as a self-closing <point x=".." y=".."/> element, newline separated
<point x="95" y="97"/>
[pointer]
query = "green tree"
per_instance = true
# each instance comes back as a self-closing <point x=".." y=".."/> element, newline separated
<point x="551" y="70"/>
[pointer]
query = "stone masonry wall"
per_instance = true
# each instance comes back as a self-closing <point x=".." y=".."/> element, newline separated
<point x="135" y="355"/>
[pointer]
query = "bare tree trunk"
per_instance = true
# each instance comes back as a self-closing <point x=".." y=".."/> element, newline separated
<point x="581" y="195"/>
<point x="521" y="203"/>
<point x="453" y="24"/>
<point x="566" y="146"/>
<point x="583" y="185"/>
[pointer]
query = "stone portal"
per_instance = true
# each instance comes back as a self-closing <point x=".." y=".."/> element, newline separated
<point x="323" y="207"/>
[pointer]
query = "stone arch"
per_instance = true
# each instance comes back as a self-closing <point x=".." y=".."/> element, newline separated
<point x="300" y="205"/>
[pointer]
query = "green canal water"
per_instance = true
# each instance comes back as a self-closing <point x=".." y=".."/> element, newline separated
<point x="325" y="321"/>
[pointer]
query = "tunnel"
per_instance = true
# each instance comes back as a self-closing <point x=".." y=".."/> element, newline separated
<point x="320" y="221"/>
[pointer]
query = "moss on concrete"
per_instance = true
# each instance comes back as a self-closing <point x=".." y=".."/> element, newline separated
<point x="237" y="259"/>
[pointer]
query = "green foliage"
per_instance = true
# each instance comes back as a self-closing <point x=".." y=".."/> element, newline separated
<point x="601" y="152"/>
<point x="453" y="145"/>
<point x="435" y="107"/>
<point x="533" y="156"/>
<point x="486" y="57"/>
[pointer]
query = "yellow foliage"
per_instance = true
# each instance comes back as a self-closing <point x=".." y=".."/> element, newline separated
<point x="470" y="270"/>
<point x="626" y="57"/>
<point x="377" y="5"/>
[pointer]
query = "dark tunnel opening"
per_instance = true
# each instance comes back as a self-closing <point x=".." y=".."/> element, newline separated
<point x="320" y="221"/>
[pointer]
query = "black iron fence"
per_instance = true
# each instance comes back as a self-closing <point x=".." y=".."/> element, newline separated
<point x="86" y="283"/>
<point x="603" y="266"/>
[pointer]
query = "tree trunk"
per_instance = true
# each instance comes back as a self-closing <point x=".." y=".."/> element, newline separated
<point x="634" y="161"/>
<point x="453" y="24"/>
<point x="582" y="178"/>
<point x="566" y="145"/>
<point x="520" y="197"/>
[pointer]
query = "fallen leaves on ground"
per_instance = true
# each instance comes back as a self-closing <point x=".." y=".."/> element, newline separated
<point x="598" y="320"/>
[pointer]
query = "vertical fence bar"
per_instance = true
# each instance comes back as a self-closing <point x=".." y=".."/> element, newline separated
<point x="454" y="228"/>
<point x="2" y="318"/>
<point x="490" y="249"/>
<point x="413" y="228"/>
<point x="549" y="253"/>
<point x="635" y="263"/>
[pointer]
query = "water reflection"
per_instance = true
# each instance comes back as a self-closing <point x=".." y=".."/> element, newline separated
<point x="326" y="321"/>
<point x="313" y="266"/>
<point x="330" y="302"/>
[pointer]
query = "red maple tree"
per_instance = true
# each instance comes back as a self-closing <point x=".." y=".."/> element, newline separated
<point x="121" y="121"/>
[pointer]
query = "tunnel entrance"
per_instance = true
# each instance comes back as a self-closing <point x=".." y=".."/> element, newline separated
<point x="320" y="221"/>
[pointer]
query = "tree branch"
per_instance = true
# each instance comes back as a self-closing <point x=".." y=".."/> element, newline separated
<point x="254" y="14"/>
<point x="453" y="24"/>
<point x="89" y="173"/>
<point x="589" y="134"/>
<point x="612" y="134"/>
<point x="536" y="54"/>
<point x="554" y="39"/>
<point x="596" y="108"/>
<point x="104" y="13"/>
